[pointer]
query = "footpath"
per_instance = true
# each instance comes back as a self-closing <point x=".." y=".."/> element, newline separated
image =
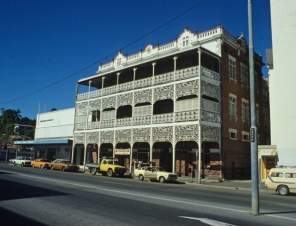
<point x="231" y="184"/>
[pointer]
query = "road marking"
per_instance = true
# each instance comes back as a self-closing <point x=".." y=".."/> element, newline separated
<point x="152" y="197"/>
<point x="209" y="221"/>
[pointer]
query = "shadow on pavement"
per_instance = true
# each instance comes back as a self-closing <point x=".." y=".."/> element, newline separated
<point x="11" y="218"/>
<point x="12" y="190"/>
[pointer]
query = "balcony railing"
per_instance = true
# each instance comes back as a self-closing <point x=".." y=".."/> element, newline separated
<point x="146" y="82"/>
<point x="148" y="120"/>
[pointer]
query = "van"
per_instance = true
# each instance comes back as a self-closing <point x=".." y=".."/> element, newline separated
<point x="282" y="180"/>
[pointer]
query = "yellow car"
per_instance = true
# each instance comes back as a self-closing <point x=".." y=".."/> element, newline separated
<point x="63" y="164"/>
<point x="40" y="163"/>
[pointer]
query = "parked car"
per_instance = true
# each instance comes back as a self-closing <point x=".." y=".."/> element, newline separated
<point x="155" y="173"/>
<point x="63" y="164"/>
<point x="40" y="163"/>
<point x="282" y="180"/>
<point x="23" y="161"/>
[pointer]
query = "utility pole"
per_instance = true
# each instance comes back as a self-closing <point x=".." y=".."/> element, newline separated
<point x="253" y="132"/>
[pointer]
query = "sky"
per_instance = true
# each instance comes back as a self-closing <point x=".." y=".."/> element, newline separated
<point x="46" y="46"/>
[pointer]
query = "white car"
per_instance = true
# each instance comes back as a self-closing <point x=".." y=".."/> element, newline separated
<point x="23" y="161"/>
<point x="155" y="173"/>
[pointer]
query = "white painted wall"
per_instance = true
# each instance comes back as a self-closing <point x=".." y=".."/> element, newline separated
<point x="282" y="80"/>
<point x="55" y="124"/>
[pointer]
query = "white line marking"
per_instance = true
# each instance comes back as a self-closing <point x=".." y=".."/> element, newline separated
<point x="209" y="221"/>
<point x="152" y="197"/>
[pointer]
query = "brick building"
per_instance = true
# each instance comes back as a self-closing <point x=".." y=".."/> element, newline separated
<point x="183" y="106"/>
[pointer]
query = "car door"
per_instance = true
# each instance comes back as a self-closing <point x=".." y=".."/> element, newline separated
<point x="150" y="173"/>
<point x="103" y="166"/>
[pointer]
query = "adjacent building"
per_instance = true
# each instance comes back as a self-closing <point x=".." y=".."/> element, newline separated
<point x="280" y="60"/>
<point x="184" y="105"/>
<point x="53" y="135"/>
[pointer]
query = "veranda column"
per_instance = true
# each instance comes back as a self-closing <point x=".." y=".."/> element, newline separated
<point x="199" y="117"/>
<point x="134" y="69"/>
<point x="175" y="66"/>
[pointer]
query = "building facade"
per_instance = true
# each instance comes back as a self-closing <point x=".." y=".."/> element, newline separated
<point x="280" y="60"/>
<point x="53" y="135"/>
<point x="183" y="106"/>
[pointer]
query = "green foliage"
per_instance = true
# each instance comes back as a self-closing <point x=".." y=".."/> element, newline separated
<point x="9" y="118"/>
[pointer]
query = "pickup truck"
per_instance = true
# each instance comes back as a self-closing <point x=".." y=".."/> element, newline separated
<point x="23" y="161"/>
<point x="108" y="166"/>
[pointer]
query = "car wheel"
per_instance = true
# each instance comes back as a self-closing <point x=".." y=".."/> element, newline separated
<point x="64" y="169"/>
<point x="161" y="180"/>
<point x="51" y="168"/>
<point x="93" y="171"/>
<point x="14" y="164"/>
<point x="141" y="177"/>
<point x="283" y="190"/>
<point x="110" y="173"/>
<point x="33" y="166"/>
<point x="41" y="167"/>
<point x="22" y="164"/>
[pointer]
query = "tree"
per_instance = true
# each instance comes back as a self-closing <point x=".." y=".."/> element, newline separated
<point x="9" y="118"/>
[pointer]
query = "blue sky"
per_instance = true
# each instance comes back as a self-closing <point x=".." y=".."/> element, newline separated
<point x="48" y="45"/>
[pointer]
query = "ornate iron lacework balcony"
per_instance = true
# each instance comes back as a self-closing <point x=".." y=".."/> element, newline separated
<point x="146" y="82"/>
<point x="163" y="118"/>
<point x="164" y="78"/>
<point x="142" y="120"/>
<point x="107" y="123"/>
<point x="124" y="122"/>
<point x="186" y="116"/>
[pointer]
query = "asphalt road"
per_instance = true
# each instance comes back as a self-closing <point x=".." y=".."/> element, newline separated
<point x="42" y="197"/>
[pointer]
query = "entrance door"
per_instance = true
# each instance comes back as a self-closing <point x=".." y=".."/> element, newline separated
<point x="268" y="162"/>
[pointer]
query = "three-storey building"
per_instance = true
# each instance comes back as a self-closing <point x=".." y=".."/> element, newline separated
<point x="183" y="106"/>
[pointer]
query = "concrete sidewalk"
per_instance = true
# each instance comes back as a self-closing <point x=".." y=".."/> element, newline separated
<point x="235" y="184"/>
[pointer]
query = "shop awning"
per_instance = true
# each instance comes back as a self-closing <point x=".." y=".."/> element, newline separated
<point x="43" y="142"/>
<point x="267" y="151"/>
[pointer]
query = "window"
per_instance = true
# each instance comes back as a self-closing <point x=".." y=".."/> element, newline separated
<point x="245" y="110"/>
<point x="275" y="174"/>
<point x="233" y="134"/>
<point x="245" y="75"/>
<point x="185" y="41"/>
<point x="232" y="105"/>
<point x="245" y="136"/>
<point x="232" y="67"/>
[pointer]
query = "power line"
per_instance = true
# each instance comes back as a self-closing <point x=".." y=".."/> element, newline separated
<point x="83" y="69"/>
